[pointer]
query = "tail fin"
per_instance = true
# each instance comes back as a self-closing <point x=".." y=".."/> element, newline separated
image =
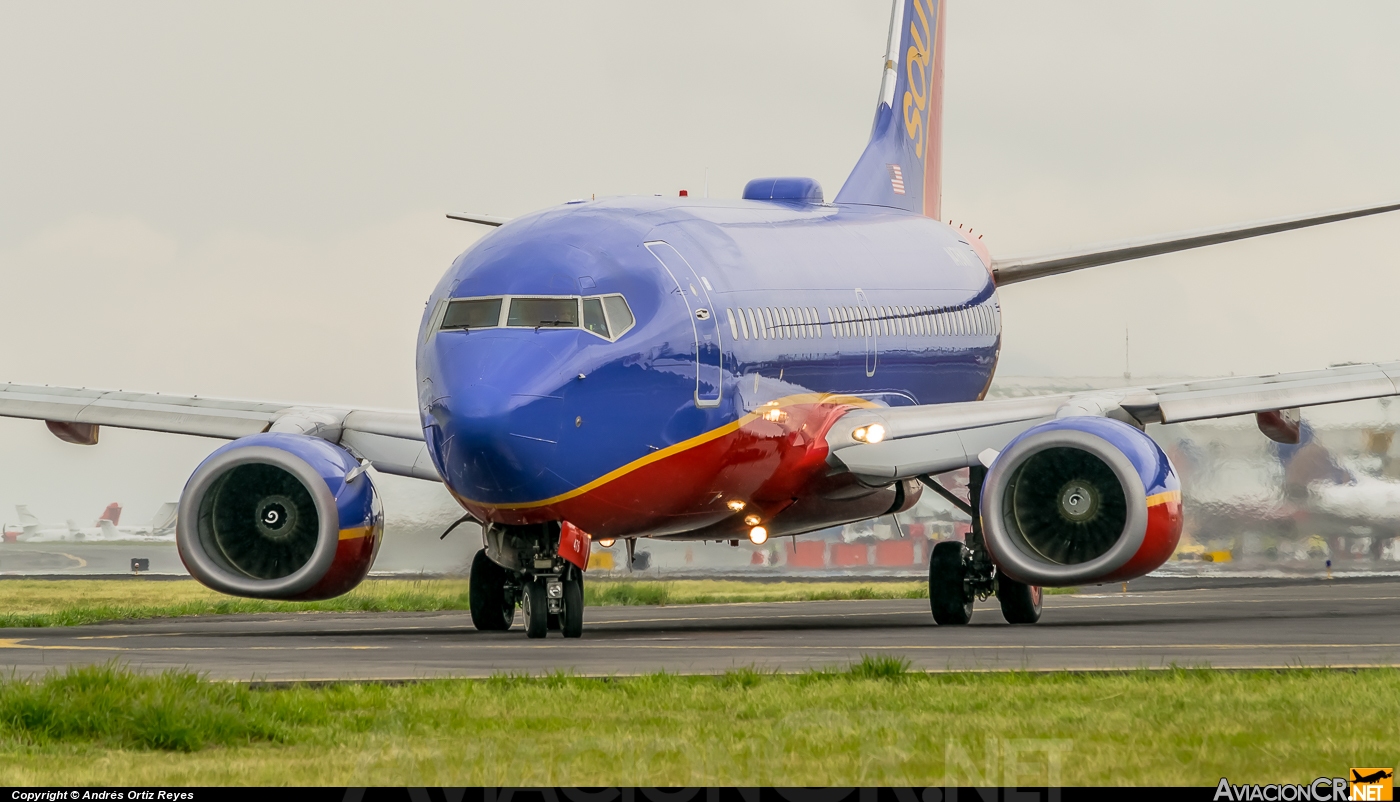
<point x="164" y="520"/>
<point x="113" y="513"/>
<point x="26" y="518"/>
<point x="902" y="166"/>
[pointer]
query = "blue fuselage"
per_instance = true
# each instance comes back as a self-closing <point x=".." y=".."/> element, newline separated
<point x="737" y="305"/>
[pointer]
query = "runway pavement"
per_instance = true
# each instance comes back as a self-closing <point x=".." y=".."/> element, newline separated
<point x="1297" y="624"/>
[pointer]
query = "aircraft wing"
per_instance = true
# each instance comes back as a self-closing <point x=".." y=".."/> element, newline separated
<point x="391" y="441"/>
<point x="1025" y="268"/>
<point x="484" y="219"/>
<point x="934" y="438"/>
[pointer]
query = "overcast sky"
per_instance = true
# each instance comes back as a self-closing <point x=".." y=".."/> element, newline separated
<point x="246" y="199"/>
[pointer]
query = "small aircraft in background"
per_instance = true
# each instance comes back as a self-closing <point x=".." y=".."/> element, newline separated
<point x="105" y="528"/>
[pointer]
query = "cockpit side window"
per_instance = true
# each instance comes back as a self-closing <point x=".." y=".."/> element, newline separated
<point x="472" y="313"/>
<point x="593" y="319"/>
<point x="620" y="318"/>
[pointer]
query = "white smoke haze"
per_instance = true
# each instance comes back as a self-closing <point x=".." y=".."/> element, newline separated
<point x="246" y="200"/>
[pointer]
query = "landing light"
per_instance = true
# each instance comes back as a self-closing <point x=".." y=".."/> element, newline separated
<point x="775" y="415"/>
<point x="758" y="535"/>
<point x="737" y="505"/>
<point x="873" y="433"/>
<point x="606" y="542"/>
<point x="752" y="520"/>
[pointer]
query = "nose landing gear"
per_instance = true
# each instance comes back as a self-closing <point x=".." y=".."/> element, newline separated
<point x="551" y="602"/>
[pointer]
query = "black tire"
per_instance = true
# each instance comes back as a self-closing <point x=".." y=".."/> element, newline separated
<point x="947" y="593"/>
<point x="1020" y="603"/>
<point x="571" y="619"/>
<point x="535" y="605"/>
<point x="492" y="603"/>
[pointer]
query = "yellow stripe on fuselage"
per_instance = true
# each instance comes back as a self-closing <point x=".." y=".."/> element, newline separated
<point x="354" y="532"/>
<point x="685" y="445"/>
<point x="1163" y="498"/>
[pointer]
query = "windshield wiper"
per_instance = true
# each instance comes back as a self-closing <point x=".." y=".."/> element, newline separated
<point x="554" y="324"/>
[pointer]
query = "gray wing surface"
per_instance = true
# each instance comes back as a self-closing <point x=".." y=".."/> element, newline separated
<point x="1024" y="268"/>
<point x="391" y="441"/>
<point x="934" y="438"/>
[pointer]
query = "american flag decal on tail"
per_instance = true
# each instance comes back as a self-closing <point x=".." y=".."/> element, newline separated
<point x="896" y="178"/>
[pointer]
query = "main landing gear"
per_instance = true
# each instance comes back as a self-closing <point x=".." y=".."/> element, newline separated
<point x="550" y="599"/>
<point x="961" y="573"/>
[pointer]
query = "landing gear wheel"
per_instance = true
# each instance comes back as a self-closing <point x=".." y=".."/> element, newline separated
<point x="536" y="608"/>
<point x="492" y="602"/>
<point x="947" y="590"/>
<point x="571" y="620"/>
<point x="1020" y="603"/>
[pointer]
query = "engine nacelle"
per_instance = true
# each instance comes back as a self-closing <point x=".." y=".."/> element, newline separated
<point x="1081" y="500"/>
<point x="280" y="516"/>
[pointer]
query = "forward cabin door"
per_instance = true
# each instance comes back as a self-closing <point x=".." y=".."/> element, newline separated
<point x="864" y="315"/>
<point x="704" y="320"/>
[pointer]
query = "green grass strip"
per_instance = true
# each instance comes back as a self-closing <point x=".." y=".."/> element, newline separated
<point x="71" y="602"/>
<point x="873" y="722"/>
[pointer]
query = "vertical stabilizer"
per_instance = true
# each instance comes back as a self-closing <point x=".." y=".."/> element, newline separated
<point x="902" y="166"/>
<point x="26" y="518"/>
<point x="27" y="521"/>
<point x="113" y="513"/>
<point x="164" y="520"/>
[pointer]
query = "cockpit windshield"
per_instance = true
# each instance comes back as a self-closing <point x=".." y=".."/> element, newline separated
<point x="473" y="313"/>
<point x="607" y="316"/>
<point x="532" y="313"/>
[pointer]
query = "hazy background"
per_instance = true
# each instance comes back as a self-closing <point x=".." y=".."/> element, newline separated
<point x="246" y="199"/>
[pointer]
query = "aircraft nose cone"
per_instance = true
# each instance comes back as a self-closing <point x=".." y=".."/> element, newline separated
<point x="499" y="416"/>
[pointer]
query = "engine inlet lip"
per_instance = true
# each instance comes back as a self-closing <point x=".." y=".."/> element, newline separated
<point x="207" y="569"/>
<point x="1018" y="558"/>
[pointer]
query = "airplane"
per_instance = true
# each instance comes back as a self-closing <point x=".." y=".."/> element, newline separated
<point x="1305" y="500"/>
<point x="162" y="526"/>
<point x="1374" y="776"/>
<point x="704" y="369"/>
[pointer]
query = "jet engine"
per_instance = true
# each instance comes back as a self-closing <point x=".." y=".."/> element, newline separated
<point x="280" y="516"/>
<point x="1081" y="500"/>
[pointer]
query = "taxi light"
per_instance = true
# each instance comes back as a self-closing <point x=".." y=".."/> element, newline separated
<point x="752" y="520"/>
<point x="758" y="535"/>
<point x="775" y="415"/>
<point x="737" y="505"/>
<point x="606" y="542"/>
<point x="874" y="433"/>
